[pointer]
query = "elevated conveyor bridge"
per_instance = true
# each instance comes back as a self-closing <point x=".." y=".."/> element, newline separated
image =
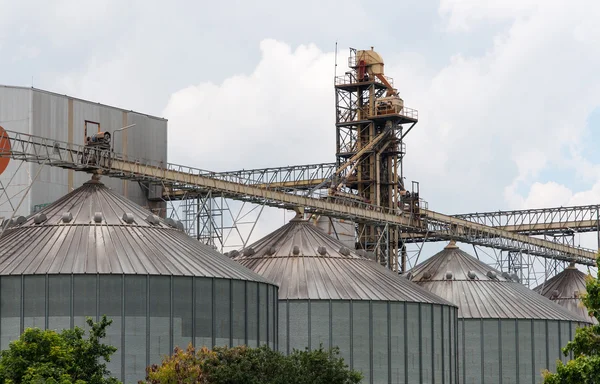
<point x="174" y="179"/>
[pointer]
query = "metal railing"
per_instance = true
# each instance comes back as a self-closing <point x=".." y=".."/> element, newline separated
<point x="69" y="156"/>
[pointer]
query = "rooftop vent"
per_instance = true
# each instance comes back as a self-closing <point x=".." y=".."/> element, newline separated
<point x="362" y="253"/>
<point x="98" y="217"/>
<point x="448" y="275"/>
<point x="234" y="253"/>
<point x="128" y="218"/>
<point x="409" y="276"/>
<point x="271" y="251"/>
<point x="40" y="218"/>
<point x="295" y="250"/>
<point x="171" y="223"/>
<point x="345" y="251"/>
<point x="427" y="275"/>
<point x="472" y="275"/>
<point x="515" y="278"/>
<point x="506" y="275"/>
<point x="554" y="294"/>
<point x="249" y="251"/>
<point x="491" y="274"/>
<point x="371" y="255"/>
<point x="152" y="219"/>
<point x="179" y="225"/>
<point x="322" y="251"/>
<point x="20" y="220"/>
<point x="66" y="217"/>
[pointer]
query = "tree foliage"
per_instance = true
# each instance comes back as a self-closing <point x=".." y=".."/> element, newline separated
<point x="243" y="365"/>
<point x="585" y="367"/>
<point x="50" y="357"/>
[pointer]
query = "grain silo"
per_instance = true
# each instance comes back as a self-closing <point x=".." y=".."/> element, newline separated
<point x="385" y="326"/>
<point x="94" y="253"/>
<point x="566" y="289"/>
<point x="506" y="333"/>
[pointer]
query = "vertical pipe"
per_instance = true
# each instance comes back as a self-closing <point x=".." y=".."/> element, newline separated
<point x="22" y="299"/>
<point x="124" y="149"/>
<point x="72" y="302"/>
<point x="214" y="311"/>
<point x="148" y="320"/>
<point x="420" y="345"/>
<point x="482" y="351"/>
<point x="46" y="304"/>
<point x="517" y="348"/>
<point x="309" y="326"/>
<point x="464" y="359"/>
<point x="70" y="139"/>
<point x="433" y="344"/>
<point x="171" y="310"/>
<point x="246" y="313"/>
<point x="389" y="340"/>
<point x="500" y="350"/>
<point x="231" y="314"/>
<point x="443" y="345"/>
<point x="547" y="342"/>
<point x="532" y="352"/>
<point x="351" y="335"/>
<point x="405" y="343"/>
<point x="123" y="328"/>
<point x="194" y="312"/>
<point x="287" y="328"/>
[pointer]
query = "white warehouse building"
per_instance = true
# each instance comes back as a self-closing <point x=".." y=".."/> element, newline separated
<point x="69" y="119"/>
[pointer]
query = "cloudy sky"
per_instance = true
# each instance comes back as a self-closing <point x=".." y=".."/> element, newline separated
<point x="508" y="91"/>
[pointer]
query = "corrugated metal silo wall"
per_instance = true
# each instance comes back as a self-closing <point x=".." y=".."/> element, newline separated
<point x="14" y="116"/>
<point x="510" y="350"/>
<point x="151" y="314"/>
<point x="390" y="342"/>
<point x="63" y="118"/>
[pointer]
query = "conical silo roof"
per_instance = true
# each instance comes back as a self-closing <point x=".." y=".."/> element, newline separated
<point x="565" y="289"/>
<point x="93" y="230"/>
<point x="307" y="263"/>
<point x="481" y="291"/>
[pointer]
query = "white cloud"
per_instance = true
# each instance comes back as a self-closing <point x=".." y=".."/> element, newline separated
<point x="463" y="14"/>
<point x="279" y="114"/>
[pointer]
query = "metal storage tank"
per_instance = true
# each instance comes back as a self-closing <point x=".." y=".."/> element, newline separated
<point x="385" y="326"/>
<point x="566" y="289"/>
<point x="94" y="252"/>
<point x="67" y="119"/>
<point x="506" y="332"/>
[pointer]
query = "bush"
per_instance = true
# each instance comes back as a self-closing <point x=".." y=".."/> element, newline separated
<point x="50" y="357"/>
<point x="244" y="365"/>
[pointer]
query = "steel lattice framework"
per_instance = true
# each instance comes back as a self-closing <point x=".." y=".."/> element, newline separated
<point x="175" y="180"/>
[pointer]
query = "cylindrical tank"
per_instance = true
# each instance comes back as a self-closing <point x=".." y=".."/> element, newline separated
<point x="506" y="332"/>
<point x="566" y="289"/>
<point x="385" y="326"/>
<point x="95" y="253"/>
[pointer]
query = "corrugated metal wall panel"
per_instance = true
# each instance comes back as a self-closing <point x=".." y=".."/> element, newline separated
<point x="14" y="116"/>
<point x="49" y="119"/>
<point x="63" y="118"/>
<point x="147" y="140"/>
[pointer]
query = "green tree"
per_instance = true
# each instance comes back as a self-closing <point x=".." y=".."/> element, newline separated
<point x="585" y="367"/>
<point x="50" y="357"/>
<point x="243" y="365"/>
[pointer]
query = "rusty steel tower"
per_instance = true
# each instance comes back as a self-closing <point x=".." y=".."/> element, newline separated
<point x="371" y="123"/>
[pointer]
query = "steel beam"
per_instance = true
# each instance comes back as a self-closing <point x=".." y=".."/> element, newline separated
<point x="69" y="156"/>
